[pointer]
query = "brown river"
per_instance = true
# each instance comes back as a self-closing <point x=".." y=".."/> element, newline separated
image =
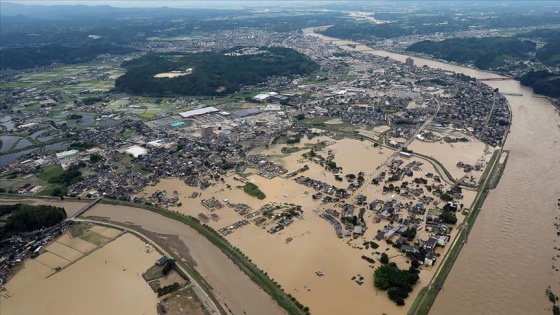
<point x="510" y="257"/>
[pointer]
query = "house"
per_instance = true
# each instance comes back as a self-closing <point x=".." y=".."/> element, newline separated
<point x="358" y="230"/>
<point x="160" y="262"/>
<point x="203" y="218"/>
<point x="67" y="154"/>
<point x="430" y="259"/>
<point x="442" y="240"/>
<point x="430" y="245"/>
<point x="391" y="232"/>
<point x="349" y="211"/>
<point x="362" y="212"/>
<point x="409" y="249"/>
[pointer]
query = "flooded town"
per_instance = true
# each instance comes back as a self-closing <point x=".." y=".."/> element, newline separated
<point x="295" y="195"/>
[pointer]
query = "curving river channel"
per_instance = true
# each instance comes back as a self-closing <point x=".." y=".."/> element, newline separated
<point x="510" y="257"/>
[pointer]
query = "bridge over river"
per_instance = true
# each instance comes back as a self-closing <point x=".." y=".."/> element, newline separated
<point x="496" y="79"/>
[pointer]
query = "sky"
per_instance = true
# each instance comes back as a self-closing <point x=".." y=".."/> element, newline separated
<point x="168" y="3"/>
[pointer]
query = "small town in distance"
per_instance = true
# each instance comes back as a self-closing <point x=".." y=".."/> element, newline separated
<point x="280" y="159"/>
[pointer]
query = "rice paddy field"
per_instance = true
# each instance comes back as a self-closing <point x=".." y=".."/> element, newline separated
<point x="85" y="77"/>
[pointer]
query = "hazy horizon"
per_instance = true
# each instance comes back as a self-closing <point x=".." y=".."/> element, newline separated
<point x="176" y="4"/>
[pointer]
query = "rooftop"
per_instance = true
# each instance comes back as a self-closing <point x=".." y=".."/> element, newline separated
<point x="200" y="111"/>
<point x="246" y="112"/>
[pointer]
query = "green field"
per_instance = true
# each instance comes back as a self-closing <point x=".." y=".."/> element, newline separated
<point x="147" y="115"/>
<point x="155" y="272"/>
<point x="50" y="172"/>
<point x="94" y="238"/>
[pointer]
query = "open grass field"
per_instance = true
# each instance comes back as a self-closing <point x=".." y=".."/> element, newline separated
<point x="94" y="238"/>
<point x="147" y="115"/>
<point x="155" y="272"/>
<point x="50" y="172"/>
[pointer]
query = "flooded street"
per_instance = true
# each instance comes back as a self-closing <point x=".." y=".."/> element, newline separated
<point x="506" y="266"/>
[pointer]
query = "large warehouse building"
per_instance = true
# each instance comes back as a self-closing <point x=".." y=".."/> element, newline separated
<point x="198" y="112"/>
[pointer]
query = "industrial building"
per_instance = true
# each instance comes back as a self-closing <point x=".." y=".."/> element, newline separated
<point x="198" y="112"/>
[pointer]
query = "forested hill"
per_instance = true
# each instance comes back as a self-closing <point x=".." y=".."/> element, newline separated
<point x="27" y="218"/>
<point x="543" y="82"/>
<point x="30" y="57"/>
<point x="214" y="73"/>
<point x="484" y="53"/>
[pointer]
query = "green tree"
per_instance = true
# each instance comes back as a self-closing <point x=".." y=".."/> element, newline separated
<point x="448" y="217"/>
<point x="384" y="259"/>
<point x="94" y="158"/>
<point x="409" y="234"/>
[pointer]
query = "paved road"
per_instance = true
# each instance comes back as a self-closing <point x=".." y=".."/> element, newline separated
<point x="200" y="293"/>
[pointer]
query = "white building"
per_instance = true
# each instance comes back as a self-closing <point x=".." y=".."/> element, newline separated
<point x="29" y="125"/>
<point x="264" y="96"/>
<point x="197" y="112"/>
<point x="67" y="154"/>
<point x="136" y="151"/>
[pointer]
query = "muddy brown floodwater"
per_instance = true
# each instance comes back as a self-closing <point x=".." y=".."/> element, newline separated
<point x="507" y="264"/>
<point x="231" y="286"/>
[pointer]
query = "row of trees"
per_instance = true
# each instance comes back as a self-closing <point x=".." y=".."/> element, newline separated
<point x="168" y="289"/>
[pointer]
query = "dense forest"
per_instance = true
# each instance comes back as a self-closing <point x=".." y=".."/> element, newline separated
<point x="543" y="82"/>
<point x="214" y="72"/>
<point x="549" y="54"/>
<point x="27" y="218"/>
<point x="30" y="57"/>
<point x="484" y="53"/>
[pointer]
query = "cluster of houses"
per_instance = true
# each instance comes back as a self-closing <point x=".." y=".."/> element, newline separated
<point x="22" y="246"/>
<point x="264" y="166"/>
<point x="322" y="187"/>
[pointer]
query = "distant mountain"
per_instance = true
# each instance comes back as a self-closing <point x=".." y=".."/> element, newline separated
<point x="55" y="12"/>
